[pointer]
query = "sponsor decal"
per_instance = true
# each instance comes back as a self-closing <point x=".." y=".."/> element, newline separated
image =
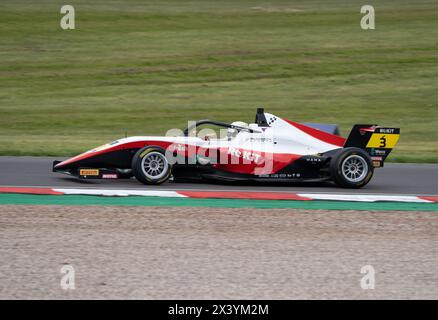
<point x="377" y="158"/>
<point x="103" y="147"/>
<point x="246" y="155"/>
<point x="377" y="152"/>
<point x="256" y="139"/>
<point x="313" y="159"/>
<point x="109" y="176"/>
<point x="376" y="164"/>
<point x="281" y="175"/>
<point x="386" y="130"/>
<point x="89" y="172"/>
<point x="272" y="120"/>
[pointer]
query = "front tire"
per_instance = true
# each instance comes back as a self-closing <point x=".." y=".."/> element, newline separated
<point x="150" y="165"/>
<point x="351" y="168"/>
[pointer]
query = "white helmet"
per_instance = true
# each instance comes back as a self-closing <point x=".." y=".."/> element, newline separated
<point x="233" y="132"/>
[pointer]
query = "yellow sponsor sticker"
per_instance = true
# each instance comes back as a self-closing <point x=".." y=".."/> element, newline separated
<point x="89" y="172"/>
<point x="103" y="147"/>
<point x="383" y="140"/>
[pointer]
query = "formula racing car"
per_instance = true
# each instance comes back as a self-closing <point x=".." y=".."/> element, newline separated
<point x="270" y="149"/>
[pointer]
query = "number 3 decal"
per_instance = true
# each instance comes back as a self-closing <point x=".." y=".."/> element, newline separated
<point x="382" y="142"/>
<point x="386" y="141"/>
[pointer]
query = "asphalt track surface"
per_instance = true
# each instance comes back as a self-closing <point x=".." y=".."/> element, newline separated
<point x="415" y="179"/>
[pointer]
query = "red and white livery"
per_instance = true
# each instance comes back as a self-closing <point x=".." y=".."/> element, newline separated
<point x="271" y="149"/>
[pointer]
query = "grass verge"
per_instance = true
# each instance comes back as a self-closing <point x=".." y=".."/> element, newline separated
<point x="143" y="67"/>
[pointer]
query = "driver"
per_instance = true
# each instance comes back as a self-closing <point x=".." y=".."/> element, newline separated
<point x="232" y="133"/>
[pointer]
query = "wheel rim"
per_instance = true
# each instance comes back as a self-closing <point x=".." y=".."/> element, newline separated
<point x="354" y="168"/>
<point x="154" y="165"/>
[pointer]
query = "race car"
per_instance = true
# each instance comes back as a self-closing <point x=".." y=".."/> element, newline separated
<point x="271" y="149"/>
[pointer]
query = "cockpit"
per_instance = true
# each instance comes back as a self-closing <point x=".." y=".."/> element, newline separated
<point x="210" y="129"/>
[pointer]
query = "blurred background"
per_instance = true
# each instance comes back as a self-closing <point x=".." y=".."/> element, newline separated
<point x="143" y="67"/>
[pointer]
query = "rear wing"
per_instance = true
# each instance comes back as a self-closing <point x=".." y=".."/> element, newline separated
<point x="377" y="141"/>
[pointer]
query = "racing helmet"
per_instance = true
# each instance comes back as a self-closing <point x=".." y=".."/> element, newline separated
<point x="233" y="132"/>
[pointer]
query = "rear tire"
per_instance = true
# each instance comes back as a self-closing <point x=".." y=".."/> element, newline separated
<point x="150" y="165"/>
<point x="351" y="168"/>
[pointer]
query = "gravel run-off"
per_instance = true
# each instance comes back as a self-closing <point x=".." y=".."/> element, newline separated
<point x="215" y="253"/>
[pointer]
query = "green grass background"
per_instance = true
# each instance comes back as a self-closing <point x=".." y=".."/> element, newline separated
<point x="148" y="66"/>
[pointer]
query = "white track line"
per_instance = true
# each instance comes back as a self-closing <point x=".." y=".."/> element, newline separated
<point x="364" y="197"/>
<point x="121" y="192"/>
<point x="229" y="194"/>
<point x="313" y="196"/>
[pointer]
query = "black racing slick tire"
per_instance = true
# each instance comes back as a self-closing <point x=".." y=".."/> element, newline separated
<point x="150" y="165"/>
<point x="351" y="168"/>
